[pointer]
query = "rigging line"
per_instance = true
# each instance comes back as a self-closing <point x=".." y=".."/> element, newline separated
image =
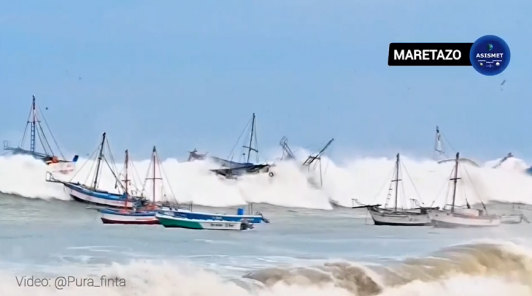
<point x="117" y="178"/>
<point x="476" y="191"/>
<point x="111" y="157"/>
<point x="44" y="142"/>
<point x="26" y="128"/>
<point x="238" y="141"/>
<point x="446" y="140"/>
<point x="93" y="154"/>
<point x="383" y="186"/>
<point x="51" y="134"/>
<point x="445" y="185"/>
<point x="161" y="168"/>
<point x="412" y="182"/>
<point x="256" y="140"/>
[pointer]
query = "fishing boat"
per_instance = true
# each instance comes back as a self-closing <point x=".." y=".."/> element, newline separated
<point x="36" y="131"/>
<point x="231" y="169"/>
<point x="396" y="216"/>
<point x="170" y="221"/>
<point x="91" y="193"/>
<point x="141" y="213"/>
<point x="440" y="154"/>
<point x="451" y="216"/>
<point x="193" y="215"/>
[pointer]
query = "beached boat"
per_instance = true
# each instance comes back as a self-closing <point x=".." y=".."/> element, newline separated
<point x="232" y="169"/>
<point x="36" y="131"/>
<point x="396" y="216"/>
<point x="91" y="194"/>
<point x="171" y="221"/>
<point x="452" y="216"/>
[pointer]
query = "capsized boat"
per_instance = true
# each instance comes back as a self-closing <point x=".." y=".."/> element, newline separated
<point x="36" y="131"/>
<point x="394" y="215"/>
<point x="170" y="221"/>
<point x="231" y="169"/>
<point x="143" y="211"/>
<point x="452" y="216"/>
<point x="91" y="193"/>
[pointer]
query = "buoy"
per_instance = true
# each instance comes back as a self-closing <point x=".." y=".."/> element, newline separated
<point x="270" y="174"/>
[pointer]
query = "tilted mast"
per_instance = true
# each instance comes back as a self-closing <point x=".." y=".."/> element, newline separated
<point x="251" y="138"/>
<point x="98" y="162"/>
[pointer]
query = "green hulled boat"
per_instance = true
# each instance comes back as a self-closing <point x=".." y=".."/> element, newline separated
<point x="178" y="222"/>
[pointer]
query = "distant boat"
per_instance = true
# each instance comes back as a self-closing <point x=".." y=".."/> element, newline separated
<point x="232" y="169"/>
<point x="90" y="193"/>
<point x="36" y="132"/>
<point x="452" y="216"/>
<point x="396" y="216"/>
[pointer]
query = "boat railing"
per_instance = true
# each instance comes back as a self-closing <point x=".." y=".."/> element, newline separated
<point x="50" y="178"/>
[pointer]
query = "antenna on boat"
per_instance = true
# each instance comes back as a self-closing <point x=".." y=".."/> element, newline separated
<point x="455" y="180"/>
<point x="99" y="161"/>
<point x="32" y="127"/>
<point x="251" y="138"/>
<point x="396" y="180"/>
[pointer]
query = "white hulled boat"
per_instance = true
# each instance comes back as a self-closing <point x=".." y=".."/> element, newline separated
<point x="452" y="216"/>
<point x="396" y="216"/>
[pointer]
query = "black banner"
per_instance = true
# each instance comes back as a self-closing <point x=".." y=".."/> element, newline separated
<point x="429" y="54"/>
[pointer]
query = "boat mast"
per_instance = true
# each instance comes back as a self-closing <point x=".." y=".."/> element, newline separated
<point x="98" y="162"/>
<point x="126" y="180"/>
<point x="396" y="180"/>
<point x="250" y="148"/>
<point x="455" y="179"/>
<point x="33" y="125"/>
<point x="154" y="160"/>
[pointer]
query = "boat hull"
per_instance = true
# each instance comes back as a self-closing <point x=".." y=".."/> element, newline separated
<point x="81" y="194"/>
<point x="511" y="219"/>
<point x="447" y="219"/>
<point x="214" y="217"/>
<point x="383" y="218"/>
<point x="128" y="217"/>
<point x="176" y="222"/>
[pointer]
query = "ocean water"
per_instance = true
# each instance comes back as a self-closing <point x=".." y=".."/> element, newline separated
<point x="310" y="248"/>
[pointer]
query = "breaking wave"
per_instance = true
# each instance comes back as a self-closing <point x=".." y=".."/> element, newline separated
<point x="486" y="269"/>
<point x="364" y="179"/>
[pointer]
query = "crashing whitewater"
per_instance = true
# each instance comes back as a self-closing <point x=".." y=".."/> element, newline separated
<point x="482" y="269"/>
<point x="363" y="179"/>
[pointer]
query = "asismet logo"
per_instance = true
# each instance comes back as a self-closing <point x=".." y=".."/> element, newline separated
<point x="490" y="55"/>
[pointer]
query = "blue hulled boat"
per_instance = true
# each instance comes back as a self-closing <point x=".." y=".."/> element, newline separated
<point x="189" y="214"/>
<point x="91" y="194"/>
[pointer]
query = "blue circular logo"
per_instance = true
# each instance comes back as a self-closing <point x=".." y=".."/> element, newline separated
<point x="489" y="55"/>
